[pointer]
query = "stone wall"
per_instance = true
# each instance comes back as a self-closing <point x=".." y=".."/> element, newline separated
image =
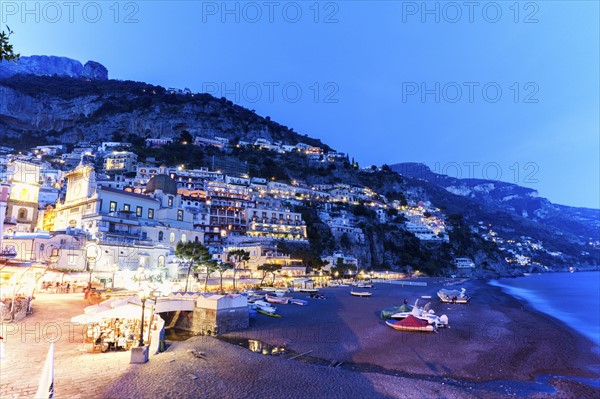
<point x="214" y="322"/>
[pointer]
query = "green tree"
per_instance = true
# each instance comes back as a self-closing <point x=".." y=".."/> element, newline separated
<point x="268" y="268"/>
<point x="222" y="268"/>
<point x="239" y="255"/>
<point x="210" y="267"/>
<point x="6" y="49"/>
<point x="194" y="254"/>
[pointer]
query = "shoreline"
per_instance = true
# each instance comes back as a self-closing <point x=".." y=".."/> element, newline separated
<point x="594" y="346"/>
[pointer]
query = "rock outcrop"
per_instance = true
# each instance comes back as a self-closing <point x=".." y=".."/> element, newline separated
<point x="43" y="65"/>
<point x="94" y="70"/>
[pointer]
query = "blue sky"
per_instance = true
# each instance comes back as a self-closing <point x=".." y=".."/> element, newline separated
<point x="495" y="91"/>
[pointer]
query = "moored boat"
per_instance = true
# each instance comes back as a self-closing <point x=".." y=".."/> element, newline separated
<point x="308" y="290"/>
<point x="423" y="313"/>
<point x="453" y="296"/>
<point x="411" y="323"/>
<point x="266" y="313"/>
<point x="300" y="302"/>
<point x="277" y="299"/>
<point x="361" y="293"/>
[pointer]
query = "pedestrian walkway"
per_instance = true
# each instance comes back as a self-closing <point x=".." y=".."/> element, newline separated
<point x="78" y="373"/>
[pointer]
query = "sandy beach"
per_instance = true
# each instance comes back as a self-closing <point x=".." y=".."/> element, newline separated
<point x="496" y="347"/>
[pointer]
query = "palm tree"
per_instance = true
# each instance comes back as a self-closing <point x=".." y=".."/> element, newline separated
<point x="194" y="253"/>
<point x="239" y="255"/>
<point x="222" y="268"/>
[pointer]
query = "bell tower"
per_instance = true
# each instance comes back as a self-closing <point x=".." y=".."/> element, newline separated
<point x="22" y="204"/>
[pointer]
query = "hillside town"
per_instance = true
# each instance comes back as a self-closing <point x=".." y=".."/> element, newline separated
<point x="97" y="216"/>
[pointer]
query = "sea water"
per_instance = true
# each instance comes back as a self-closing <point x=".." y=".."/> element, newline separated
<point x="573" y="298"/>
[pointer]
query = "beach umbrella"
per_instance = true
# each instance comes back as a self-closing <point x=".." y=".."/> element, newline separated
<point x="93" y="309"/>
<point x="128" y="311"/>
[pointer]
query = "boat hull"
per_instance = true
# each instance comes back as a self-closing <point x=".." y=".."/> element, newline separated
<point x="361" y="294"/>
<point x="261" y="311"/>
<point x="428" y="328"/>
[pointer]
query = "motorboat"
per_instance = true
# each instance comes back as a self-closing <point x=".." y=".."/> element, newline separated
<point x="411" y="323"/>
<point x="364" y="294"/>
<point x="364" y="285"/>
<point x="423" y="313"/>
<point x="265" y="306"/>
<point x="453" y="296"/>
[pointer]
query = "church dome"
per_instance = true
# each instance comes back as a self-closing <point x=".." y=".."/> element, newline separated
<point x="163" y="183"/>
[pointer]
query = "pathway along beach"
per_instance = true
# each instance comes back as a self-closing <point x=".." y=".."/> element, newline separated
<point x="496" y="347"/>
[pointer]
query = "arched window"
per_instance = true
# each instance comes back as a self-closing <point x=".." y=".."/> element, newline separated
<point x="183" y="238"/>
<point x="161" y="261"/>
<point x="161" y="236"/>
<point x="172" y="237"/>
<point x="22" y="213"/>
<point x="196" y="239"/>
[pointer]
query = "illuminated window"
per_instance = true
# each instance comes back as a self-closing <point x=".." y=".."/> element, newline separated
<point x="180" y="215"/>
<point x="138" y="211"/>
<point x="170" y="202"/>
<point x="126" y="207"/>
<point x="113" y="206"/>
<point x="161" y="261"/>
<point x="183" y="238"/>
<point x="150" y="213"/>
<point x="172" y="237"/>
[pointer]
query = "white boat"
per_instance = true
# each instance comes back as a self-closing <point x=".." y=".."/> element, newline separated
<point x="364" y="285"/>
<point x="361" y="293"/>
<point x="423" y="313"/>
<point x="453" y="296"/>
<point x="265" y="306"/>
<point x="300" y="302"/>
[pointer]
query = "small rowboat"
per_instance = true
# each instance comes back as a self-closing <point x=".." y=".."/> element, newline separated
<point x="276" y="299"/>
<point x="308" y="290"/>
<point x="300" y="302"/>
<point x="261" y="311"/>
<point x="411" y="323"/>
<point x="361" y="293"/>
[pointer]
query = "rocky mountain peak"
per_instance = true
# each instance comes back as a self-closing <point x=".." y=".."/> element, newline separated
<point x="53" y="65"/>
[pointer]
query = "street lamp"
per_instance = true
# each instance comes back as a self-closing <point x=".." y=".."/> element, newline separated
<point x="143" y="294"/>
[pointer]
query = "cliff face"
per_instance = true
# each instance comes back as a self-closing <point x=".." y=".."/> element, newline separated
<point x="65" y="109"/>
<point x="42" y="65"/>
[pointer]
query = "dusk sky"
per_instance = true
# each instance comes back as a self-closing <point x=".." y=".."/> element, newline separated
<point x="494" y="91"/>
